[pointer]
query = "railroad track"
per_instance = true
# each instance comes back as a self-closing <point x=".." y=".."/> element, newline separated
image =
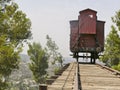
<point x="87" y="77"/>
<point x="66" y="80"/>
<point x="97" y="77"/>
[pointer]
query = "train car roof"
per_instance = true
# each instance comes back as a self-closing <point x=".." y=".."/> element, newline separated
<point x="86" y="10"/>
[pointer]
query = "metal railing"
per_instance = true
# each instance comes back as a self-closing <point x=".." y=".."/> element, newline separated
<point x="67" y="77"/>
<point x="77" y="84"/>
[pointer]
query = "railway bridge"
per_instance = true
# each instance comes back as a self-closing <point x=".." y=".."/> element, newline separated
<point x="86" y="36"/>
<point x="84" y="76"/>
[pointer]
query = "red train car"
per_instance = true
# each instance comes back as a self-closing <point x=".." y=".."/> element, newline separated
<point x="87" y="21"/>
<point x="87" y="34"/>
<point x="74" y="35"/>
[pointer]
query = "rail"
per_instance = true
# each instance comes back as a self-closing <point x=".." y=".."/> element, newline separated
<point x="115" y="72"/>
<point x="67" y="77"/>
<point x="65" y="80"/>
<point x="98" y="77"/>
<point x="77" y="85"/>
<point x="87" y="76"/>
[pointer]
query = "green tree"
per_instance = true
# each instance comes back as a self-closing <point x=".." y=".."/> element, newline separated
<point x="53" y="52"/>
<point x="14" y="30"/>
<point x="51" y="47"/>
<point x="39" y="62"/>
<point x="116" y="20"/>
<point x="9" y="60"/>
<point x="14" y="24"/>
<point x="112" y="49"/>
<point x="60" y="59"/>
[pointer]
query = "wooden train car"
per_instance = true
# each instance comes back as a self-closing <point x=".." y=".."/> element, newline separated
<point x="87" y="34"/>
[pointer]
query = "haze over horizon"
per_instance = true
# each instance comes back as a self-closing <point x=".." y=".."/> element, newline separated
<point x="51" y="17"/>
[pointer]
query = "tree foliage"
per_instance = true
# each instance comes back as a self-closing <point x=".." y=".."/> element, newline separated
<point x="14" y="30"/>
<point x="14" y="24"/>
<point x="39" y="62"/>
<point x="116" y="20"/>
<point x="112" y="46"/>
<point x="51" y="46"/>
<point x="9" y="60"/>
<point x="53" y="51"/>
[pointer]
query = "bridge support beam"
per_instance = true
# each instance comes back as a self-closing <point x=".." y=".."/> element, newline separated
<point x="42" y="87"/>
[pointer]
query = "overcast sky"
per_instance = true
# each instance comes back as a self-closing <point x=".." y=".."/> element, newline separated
<point x="52" y="17"/>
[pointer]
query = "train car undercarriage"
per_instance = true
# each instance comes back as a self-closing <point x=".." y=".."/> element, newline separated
<point x="93" y="56"/>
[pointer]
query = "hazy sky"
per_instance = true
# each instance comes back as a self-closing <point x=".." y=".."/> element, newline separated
<point x="52" y="17"/>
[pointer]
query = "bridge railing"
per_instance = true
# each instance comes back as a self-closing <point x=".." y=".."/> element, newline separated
<point x="77" y="85"/>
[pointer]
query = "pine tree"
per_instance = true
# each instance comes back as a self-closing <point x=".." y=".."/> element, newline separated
<point x="54" y="55"/>
<point x="112" y="46"/>
<point x="14" y="30"/>
<point x="116" y="20"/>
<point x="39" y="62"/>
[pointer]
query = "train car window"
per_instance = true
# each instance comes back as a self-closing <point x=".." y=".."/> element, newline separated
<point x="91" y="16"/>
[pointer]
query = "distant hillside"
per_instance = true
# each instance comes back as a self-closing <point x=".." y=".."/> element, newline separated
<point x="68" y="60"/>
<point x="22" y="78"/>
<point x="25" y="58"/>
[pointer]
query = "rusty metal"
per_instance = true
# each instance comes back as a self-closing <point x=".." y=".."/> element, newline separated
<point x="87" y="35"/>
<point x="77" y="84"/>
<point x="87" y="21"/>
<point x="73" y="34"/>
<point x="100" y="34"/>
<point x="67" y="77"/>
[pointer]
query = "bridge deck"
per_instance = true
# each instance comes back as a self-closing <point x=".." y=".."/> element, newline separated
<point x="66" y="80"/>
<point x="94" y="77"/>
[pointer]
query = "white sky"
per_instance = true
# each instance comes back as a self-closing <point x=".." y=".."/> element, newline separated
<point x="52" y="17"/>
